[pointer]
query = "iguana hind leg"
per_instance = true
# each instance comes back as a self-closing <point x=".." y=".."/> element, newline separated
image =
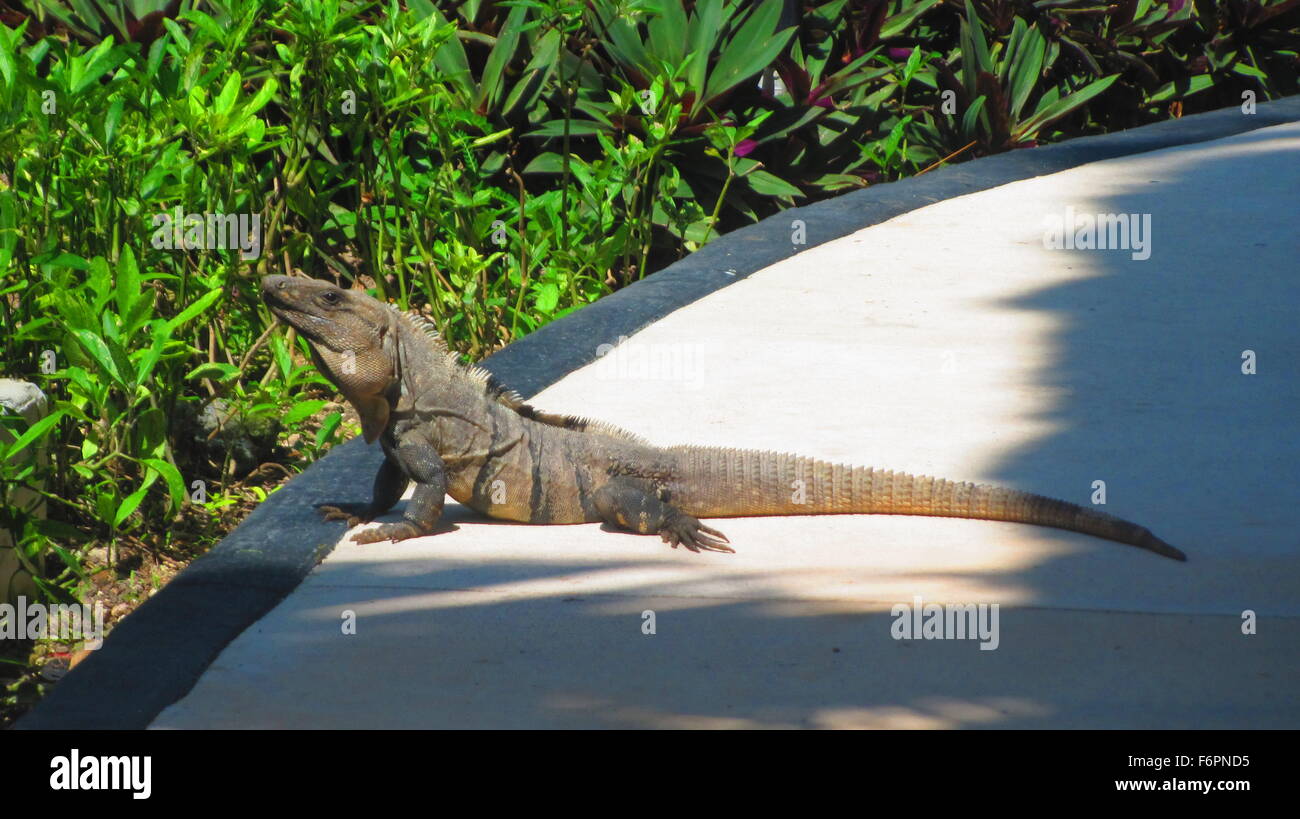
<point x="636" y="504"/>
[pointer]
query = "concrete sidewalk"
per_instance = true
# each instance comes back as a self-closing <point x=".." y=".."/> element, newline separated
<point x="947" y="341"/>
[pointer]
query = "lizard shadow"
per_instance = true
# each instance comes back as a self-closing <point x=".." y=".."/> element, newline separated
<point x="1152" y="355"/>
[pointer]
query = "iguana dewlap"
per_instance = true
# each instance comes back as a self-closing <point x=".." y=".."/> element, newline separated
<point x="455" y="431"/>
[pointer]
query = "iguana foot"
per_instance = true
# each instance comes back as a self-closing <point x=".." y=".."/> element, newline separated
<point x="694" y="535"/>
<point x="403" y="530"/>
<point x="355" y="516"/>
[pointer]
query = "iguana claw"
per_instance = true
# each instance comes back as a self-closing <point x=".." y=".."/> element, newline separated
<point x="337" y="513"/>
<point x="694" y="535"/>
<point x="401" y="530"/>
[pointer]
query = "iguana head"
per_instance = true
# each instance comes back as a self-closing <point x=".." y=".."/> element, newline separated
<point x="353" y="338"/>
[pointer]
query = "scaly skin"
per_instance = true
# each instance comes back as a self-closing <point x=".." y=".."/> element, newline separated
<point x="454" y="431"/>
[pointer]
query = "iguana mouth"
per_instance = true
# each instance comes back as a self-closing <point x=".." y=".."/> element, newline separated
<point x="294" y="318"/>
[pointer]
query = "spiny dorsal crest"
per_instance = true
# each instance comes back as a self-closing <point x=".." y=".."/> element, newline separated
<point x="494" y="390"/>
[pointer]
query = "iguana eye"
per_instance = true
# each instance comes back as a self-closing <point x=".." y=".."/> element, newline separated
<point x="330" y="297"/>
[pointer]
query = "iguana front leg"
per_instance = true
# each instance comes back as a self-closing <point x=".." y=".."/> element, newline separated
<point x="390" y="483"/>
<point x="417" y="461"/>
<point x="637" y="505"/>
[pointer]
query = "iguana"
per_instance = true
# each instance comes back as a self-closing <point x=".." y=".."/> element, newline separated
<point x="455" y="430"/>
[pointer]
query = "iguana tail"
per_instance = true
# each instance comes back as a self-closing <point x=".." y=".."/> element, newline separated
<point x="740" y="483"/>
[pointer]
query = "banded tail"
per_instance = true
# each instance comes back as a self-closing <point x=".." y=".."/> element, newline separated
<point x="741" y="483"/>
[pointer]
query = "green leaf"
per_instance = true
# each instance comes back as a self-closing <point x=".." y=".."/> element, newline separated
<point x="302" y="410"/>
<point x="971" y="117"/>
<point x="99" y="350"/>
<point x="182" y="42"/>
<point x="219" y="370"/>
<point x="623" y="42"/>
<point x="128" y="281"/>
<point x="281" y="352"/>
<point x="502" y="52"/>
<point x="8" y="48"/>
<point x="1249" y="71"/>
<point x="769" y="184"/>
<point x="547" y="296"/>
<point x="225" y="101"/>
<point x="548" y="162"/>
<point x="748" y="52"/>
<point x="141" y="311"/>
<point x="577" y="127"/>
<point x="983" y="61"/>
<point x="1182" y="89"/>
<point x="33" y="432"/>
<point x="326" y="430"/>
<point x="64" y="260"/>
<point x="451" y="60"/>
<point x="209" y="26"/>
<point x="853" y="74"/>
<point x="175" y="484"/>
<point x="838" y="181"/>
<point x="111" y="119"/>
<point x="156" y="53"/>
<point x="898" y="23"/>
<point x="198" y="306"/>
<point x="129" y="505"/>
<point x="99" y="60"/>
<point x="706" y="24"/>
<point x="261" y="98"/>
<point x="148" y="360"/>
<point x="101" y="283"/>
<point x="1026" y="67"/>
<point x="528" y="87"/>
<point x="90" y="388"/>
<point x="1046" y="115"/>
<point x="8" y="229"/>
<point x="667" y="31"/>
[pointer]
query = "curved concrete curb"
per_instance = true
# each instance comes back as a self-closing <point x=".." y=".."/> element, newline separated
<point x="155" y="656"/>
